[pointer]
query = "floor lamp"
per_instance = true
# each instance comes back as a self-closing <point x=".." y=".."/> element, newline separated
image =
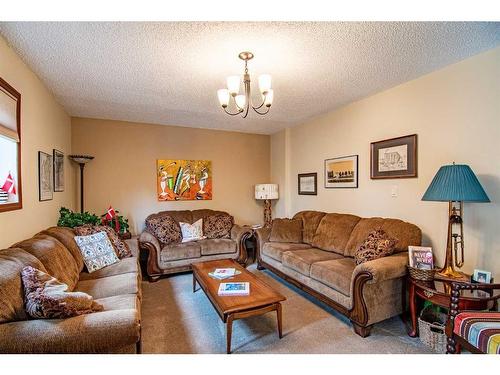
<point x="455" y="184"/>
<point x="266" y="192"/>
<point x="81" y="160"/>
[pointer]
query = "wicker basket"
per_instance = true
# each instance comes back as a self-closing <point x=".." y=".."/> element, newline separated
<point x="418" y="274"/>
<point x="431" y="328"/>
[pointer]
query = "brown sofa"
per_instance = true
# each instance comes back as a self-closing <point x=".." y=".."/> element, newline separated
<point x="323" y="264"/>
<point x="174" y="258"/>
<point x="117" y="329"/>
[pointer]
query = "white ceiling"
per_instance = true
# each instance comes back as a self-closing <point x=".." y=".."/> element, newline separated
<point x="169" y="72"/>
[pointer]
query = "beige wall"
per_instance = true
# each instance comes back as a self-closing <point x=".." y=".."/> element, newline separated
<point x="44" y="126"/>
<point x="123" y="171"/>
<point x="456" y="114"/>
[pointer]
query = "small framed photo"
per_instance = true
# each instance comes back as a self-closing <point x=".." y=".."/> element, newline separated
<point x="308" y="184"/>
<point x="45" y="177"/>
<point x="481" y="276"/>
<point x="341" y="172"/>
<point x="394" y="158"/>
<point x="58" y="158"/>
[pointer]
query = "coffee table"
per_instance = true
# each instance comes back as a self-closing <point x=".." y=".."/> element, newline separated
<point x="262" y="298"/>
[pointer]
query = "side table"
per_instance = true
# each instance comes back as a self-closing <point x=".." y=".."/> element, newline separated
<point x="438" y="292"/>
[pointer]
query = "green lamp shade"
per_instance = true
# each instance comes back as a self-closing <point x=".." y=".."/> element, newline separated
<point x="455" y="182"/>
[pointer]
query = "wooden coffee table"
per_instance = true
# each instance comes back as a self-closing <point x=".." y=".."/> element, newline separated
<point x="262" y="298"/>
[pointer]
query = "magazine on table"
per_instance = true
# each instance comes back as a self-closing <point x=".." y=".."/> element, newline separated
<point x="223" y="273"/>
<point x="421" y="257"/>
<point x="234" y="289"/>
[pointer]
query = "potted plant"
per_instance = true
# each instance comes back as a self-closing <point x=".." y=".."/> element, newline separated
<point x="72" y="219"/>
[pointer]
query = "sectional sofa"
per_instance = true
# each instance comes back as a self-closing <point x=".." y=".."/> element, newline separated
<point x="117" y="287"/>
<point x="323" y="264"/>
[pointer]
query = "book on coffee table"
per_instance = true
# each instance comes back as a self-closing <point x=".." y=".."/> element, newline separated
<point x="223" y="273"/>
<point x="234" y="289"/>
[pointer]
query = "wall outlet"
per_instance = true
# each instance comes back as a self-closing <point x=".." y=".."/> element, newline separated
<point x="394" y="191"/>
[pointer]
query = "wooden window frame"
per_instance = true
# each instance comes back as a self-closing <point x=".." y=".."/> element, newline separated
<point x="18" y="205"/>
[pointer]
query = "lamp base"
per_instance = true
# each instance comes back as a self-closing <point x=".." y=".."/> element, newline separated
<point x="449" y="273"/>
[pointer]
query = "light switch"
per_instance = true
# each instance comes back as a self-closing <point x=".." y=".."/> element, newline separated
<point x="394" y="191"/>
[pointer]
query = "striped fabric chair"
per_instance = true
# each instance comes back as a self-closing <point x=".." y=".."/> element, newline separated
<point x="475" y="331"/>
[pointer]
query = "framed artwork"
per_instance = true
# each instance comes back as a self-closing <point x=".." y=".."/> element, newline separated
<point x="184" y="179"/>
<point x="394" y="158"/>
<point x="58" y="158"/>
<point x="308" y="183"/>
<point x="45" y="177"/>
<point x="341" y="172"/>
<point x="482" y="276"/>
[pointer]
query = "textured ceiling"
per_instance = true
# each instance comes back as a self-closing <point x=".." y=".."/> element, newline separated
<point x="169" y="72"/>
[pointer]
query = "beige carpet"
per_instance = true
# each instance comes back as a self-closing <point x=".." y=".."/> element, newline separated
<point x="176" y="320"/>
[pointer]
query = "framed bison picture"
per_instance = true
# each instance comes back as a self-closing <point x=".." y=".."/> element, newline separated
<point x="394" y="158"/>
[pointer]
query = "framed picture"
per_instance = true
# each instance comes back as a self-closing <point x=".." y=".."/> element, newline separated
<point x="341" y="172"/>
<point x="482" y="276"/>
<point x="394" y="158"/>
<point x="58" y="158"/>
<point x="308" y="184"/>
<point x="180" y="180"/>
<point x="45" y="177"/>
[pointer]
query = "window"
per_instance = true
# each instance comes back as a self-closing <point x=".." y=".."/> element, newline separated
<point x="10" y="148"/>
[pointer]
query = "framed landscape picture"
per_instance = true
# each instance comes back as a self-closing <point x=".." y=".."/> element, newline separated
<point x="45" y="177"/>
<point x="58" y="158"/>
<point x="341" y="172"/>
<point x="184" y="179"/>
<point x="308" y="183"/>
<point x="394" y="158"/>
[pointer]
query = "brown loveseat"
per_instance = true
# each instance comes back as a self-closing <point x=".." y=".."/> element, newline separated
<point x="323" y="264"/>
<point x="117" y="329"/>
<point x="178" y="257"/>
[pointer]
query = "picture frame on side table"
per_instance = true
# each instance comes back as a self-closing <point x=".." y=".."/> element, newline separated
<point x="307" y="184"/>
<point x="58" y="159"/>
<point x="341" y="172"/>
<point x="481" y="276"/>
<point x="394" y="158"/>
<point x="45" y="177"/>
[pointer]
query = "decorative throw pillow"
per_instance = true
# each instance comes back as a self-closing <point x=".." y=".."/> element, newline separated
<point x="378" y="244"/>
<point x="165" y="229"/>
<point x="192" y="232"/>
<point x="286" y="230"/>
<point x="45" y="297"/>
<point x="97" y="251"/>
<point x="121" y="248"/>
<point x="218" y="226"/>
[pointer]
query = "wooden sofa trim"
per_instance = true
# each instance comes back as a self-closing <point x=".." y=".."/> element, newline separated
<point x="154" y="270"/>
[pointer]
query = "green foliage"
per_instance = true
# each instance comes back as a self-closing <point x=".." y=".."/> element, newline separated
<point x="72" y="219"/>
<point x="121" y="220"/>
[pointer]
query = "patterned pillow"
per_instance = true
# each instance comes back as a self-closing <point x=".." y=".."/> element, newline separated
<point x="377" y="245"/>
<point x="97" y="251"/>
<point x="165" y="229"/>
<point x="45" y="297"/>
<point x="121" y="248"/>
<point x="218" y="226"/>
<point x="192" y="232"/>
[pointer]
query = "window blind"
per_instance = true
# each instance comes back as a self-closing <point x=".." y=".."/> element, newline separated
<point x="8" y="111"/>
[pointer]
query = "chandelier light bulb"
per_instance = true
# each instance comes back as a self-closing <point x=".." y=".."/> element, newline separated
<point x="264" y="83"/>
<point x="240" y="101"/>
<point x="223" y="95"/>
<point x="233" y="85"/>
<point x="268" y="101"/>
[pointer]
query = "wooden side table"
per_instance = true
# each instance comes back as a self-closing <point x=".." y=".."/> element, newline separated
<point x="438" y="292"/>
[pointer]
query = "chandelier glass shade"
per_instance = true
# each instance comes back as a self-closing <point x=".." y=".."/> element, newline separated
<point x="243" y="102"/>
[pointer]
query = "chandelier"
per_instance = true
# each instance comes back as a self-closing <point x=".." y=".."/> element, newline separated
<point x="243" y="102"/>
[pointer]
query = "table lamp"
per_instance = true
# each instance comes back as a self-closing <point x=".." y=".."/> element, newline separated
<point x="266" y="192"/>
<point x="455" y="184"/>
<point x="81" y="160"/>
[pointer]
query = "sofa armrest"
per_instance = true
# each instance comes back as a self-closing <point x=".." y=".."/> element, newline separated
<point x="148" y="238"/>
<point x="386" y="268"/>
<point x="237" y="232"/>
<point x="100" y="332"/>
